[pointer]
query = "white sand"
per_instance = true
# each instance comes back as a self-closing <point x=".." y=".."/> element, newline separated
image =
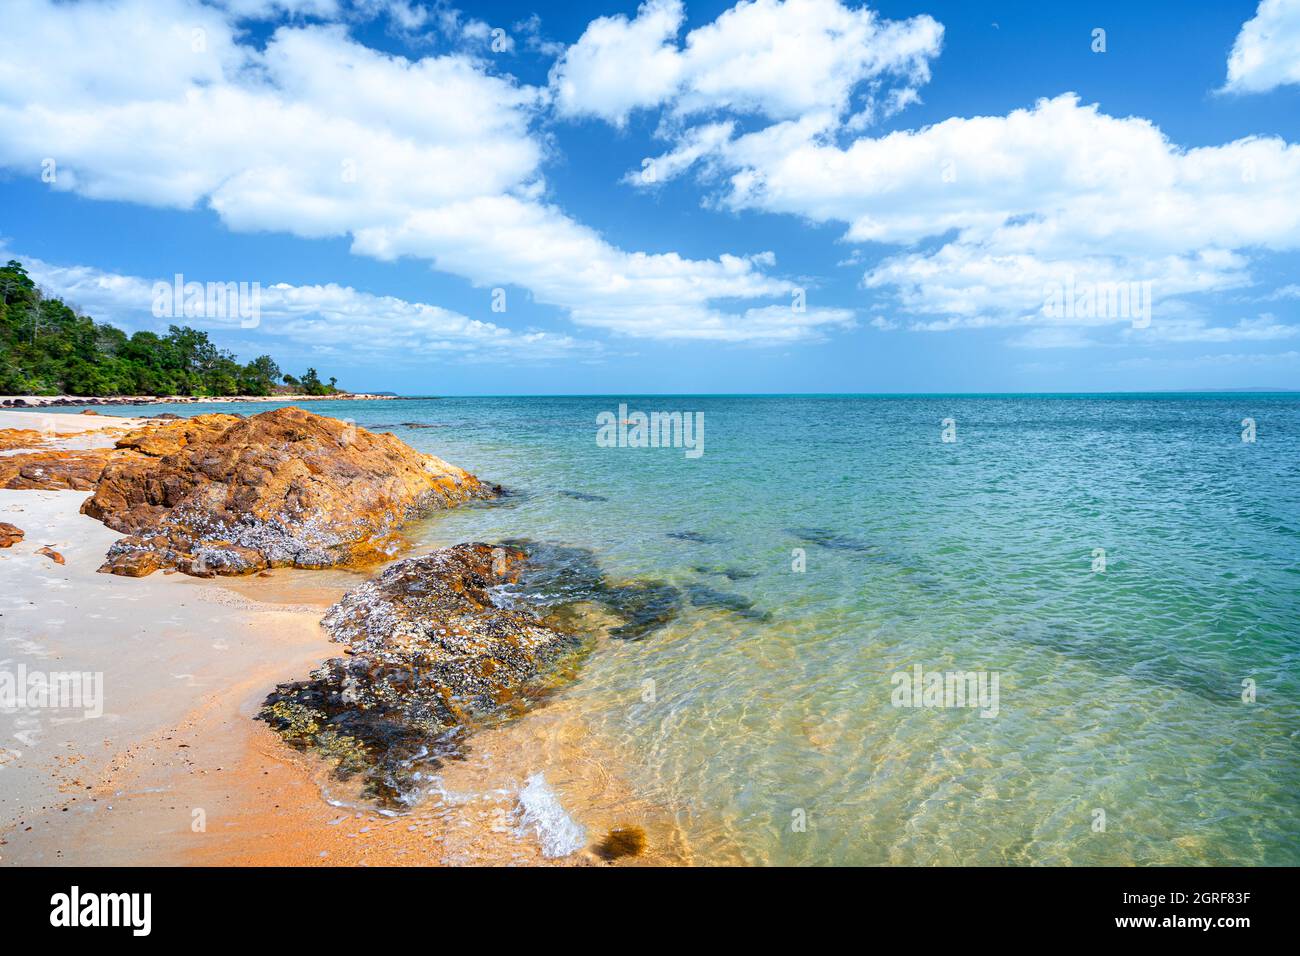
<point x="57" y="423"/>
<point x="67" y="432"/>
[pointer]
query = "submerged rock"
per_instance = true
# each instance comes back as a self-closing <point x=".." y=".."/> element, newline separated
<point x="731" y="574"/>
<point x="622" y="841"/>
<point x="583" y="496"/>
<point x="563" y="577"/>
<point x="695" y="537"/>
<point x="826" y="538"/>
<point x="429" y="650"/>
<point x="702" y="596"/>
<point x="217" y="494"/>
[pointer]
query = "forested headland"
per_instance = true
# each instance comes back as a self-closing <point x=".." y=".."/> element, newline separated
<point x="47" y="348"/>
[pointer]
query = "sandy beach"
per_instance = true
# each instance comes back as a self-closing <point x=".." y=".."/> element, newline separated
<point x="171" y="767"/>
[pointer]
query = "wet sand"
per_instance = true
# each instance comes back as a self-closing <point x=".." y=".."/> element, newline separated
<point x="168" y="655"/>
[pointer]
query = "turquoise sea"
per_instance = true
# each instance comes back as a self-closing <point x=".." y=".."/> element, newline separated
<point x="771" y="733"/>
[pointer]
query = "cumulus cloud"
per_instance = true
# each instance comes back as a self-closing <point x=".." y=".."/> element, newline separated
<point x="327" y="317"/>
<point x="661" y="296"/>
<point x="991" y="210"/>
<point x="267" y="9"/>
<point x="1266" y="54"/>
<point x="987" y="212"/>
<point x="779" y="60"/>
<point x="167" y="103"/>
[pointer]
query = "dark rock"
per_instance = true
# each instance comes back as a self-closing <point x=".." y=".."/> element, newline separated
<point x="583" y="496"/>
<point x="702" y="596"/>
<point x="429" y="650"/>
<point x="731" y="574"/>
<point x="622" y="841"/>
<point x="826" y="538"/>
<point x="693" y="536"/>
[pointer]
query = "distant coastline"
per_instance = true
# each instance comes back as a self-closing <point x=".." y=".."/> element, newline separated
<point x="65" y="401"/>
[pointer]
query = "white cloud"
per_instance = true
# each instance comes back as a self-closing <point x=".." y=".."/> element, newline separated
<point x="1222" y="359"/>
<point x="973" y="286"/>
<point x="530" y="29"/>
<point x="1265" y="328"/>
<point x="268" y="9"/>
<point x="490" y="239"/>
<point x="1038" y="196"/>
<point x="318" y="136"/>
<point x="619" y="65"/>
<point x="1061" y="175"/>
<point x="314" y="317"/>
<point x="694" y="145"/>
<point x="779" y="60"/>
<point x="1266" y="54"/>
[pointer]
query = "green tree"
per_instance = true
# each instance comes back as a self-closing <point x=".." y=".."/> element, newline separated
<point x="48" y="346"/>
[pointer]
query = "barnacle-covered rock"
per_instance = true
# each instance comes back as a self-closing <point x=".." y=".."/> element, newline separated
<point x="429" y="649"/>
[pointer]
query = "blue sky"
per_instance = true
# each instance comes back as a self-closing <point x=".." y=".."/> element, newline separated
<point x="918" y="174"/>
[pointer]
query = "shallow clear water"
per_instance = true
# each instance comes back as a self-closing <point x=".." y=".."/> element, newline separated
<point x="1118" y="691"/>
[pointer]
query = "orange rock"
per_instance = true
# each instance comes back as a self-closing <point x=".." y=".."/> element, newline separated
<point x="136" y="564"/>
<point x="51" y="554"/>
<point x="11" y="438"/>
<point x="55" y="470"/>
<point x="10" y="534"/>
<point x="216" y="494"/>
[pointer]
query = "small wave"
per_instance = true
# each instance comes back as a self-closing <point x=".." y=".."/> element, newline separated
<point x="541" y="811"/>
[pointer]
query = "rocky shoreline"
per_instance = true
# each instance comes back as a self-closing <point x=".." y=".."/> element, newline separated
<point x="435" y="648"/>
<point x="74" y="401"/>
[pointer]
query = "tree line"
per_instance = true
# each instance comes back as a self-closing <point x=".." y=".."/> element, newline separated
<point x="47" y="348"/>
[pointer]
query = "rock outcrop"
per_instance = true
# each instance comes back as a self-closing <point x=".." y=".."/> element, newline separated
<point x="11" y="438"/>
<point x="217" y="494"/>
<point x="10" y="534"/>
<point x="55" y="470"/>
<point x="429" y="649"/>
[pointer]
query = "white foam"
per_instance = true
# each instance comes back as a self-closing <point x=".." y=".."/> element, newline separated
<point x="540" y="809"/>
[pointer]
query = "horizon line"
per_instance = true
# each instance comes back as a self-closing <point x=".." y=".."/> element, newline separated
<point x="1249" y="390"/>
